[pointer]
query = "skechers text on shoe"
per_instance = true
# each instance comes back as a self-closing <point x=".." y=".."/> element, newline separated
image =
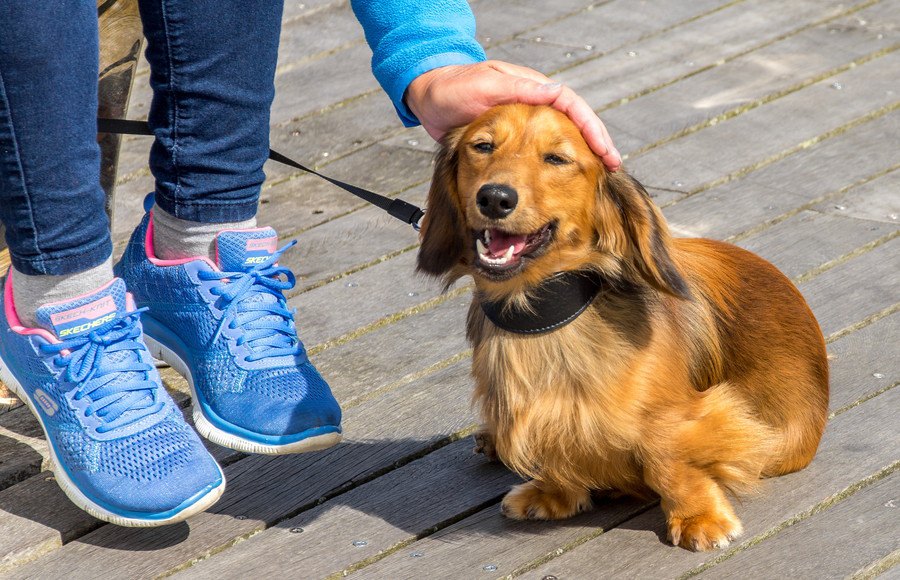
<point x="120" y="448"/>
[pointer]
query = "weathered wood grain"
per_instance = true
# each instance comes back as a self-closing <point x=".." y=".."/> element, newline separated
<point x="603" y="28"/>
<point x="383" y="513"/>
<point x="750" y="79"/>
<point x="680" y="52"/>
<point x="346" y="244"/>
<point x="489" y="545"/>
<point x="852" y="449"/>
<point x="779" y="189"/>
<point x="842" y="540"/>
<point x="878" y="200"/>
<point x="763" y="134"/>
<point x="22" y="446"/>
<point x="357" y="300"/>
<point x="864" y="362"/>
<point x="809" y="239"/>
<point x="854" y="290"/>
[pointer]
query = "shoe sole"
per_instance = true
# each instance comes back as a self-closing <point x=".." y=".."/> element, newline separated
<point x="224" y="438"/>
<point x="77" y="497"/>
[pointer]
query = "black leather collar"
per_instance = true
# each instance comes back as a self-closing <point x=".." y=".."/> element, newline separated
<point x="555" y="303"/>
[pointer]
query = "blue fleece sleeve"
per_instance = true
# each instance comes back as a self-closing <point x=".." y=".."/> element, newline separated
<point x="410" y="37"/>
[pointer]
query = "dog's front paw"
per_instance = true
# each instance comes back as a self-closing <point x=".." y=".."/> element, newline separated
<point x="534" y="501"/>
<point x="484" y="444"/>
<point x="709" y="531"/>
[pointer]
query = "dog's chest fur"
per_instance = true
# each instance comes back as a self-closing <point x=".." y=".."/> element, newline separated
<point x="559" y="401"/>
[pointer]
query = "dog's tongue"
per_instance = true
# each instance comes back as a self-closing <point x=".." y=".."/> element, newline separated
<point x="501" y="241"/>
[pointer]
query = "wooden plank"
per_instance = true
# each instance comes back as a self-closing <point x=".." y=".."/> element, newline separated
<point x="802" y="178"/>
<point x="809" y="239"/>
<point x="763" y="134"/>
<point x="878" y="201"/>
<point x="856" y="289"/>
<point x="603" y="28"/>
<point x="264" y="490"/>
<point x="363" y="298"/>
<point x="384" y="514"/>
<point x="837" y="543"/>
<point x="351" y="241"/>
<point x="856" y="445"/>
<point x="752" y="78"/>
<point x="490" y="545"/>
<point x="864" y="362"/>
<point x="22" y="446"/>
<point x="719" y="36"/>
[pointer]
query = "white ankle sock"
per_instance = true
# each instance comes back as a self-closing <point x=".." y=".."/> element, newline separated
<point x="32" y="292"/>
<point x="176" y="239"/>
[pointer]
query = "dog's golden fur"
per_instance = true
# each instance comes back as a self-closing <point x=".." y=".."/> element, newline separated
<point x="696" y="371"/>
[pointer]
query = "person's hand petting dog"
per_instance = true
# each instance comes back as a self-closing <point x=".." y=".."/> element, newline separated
<point x="452" y="96"/>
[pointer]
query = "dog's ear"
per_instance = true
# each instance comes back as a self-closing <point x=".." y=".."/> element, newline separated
<point x="443" y="228"/>
<point x="646" y="232"/>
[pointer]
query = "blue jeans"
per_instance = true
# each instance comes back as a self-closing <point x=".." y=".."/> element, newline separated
<point x="212" y="74"/>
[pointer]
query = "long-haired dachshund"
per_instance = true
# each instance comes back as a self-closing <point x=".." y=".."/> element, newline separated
<point x="609" y="356"/>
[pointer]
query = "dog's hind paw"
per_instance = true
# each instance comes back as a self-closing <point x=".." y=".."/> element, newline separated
<point x="703" y="532"/>
<point x="484" y="444"/>
<point x="533" y="501"/>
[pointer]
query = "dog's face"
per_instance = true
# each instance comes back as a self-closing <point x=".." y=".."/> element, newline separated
<point x="518" y="195"/>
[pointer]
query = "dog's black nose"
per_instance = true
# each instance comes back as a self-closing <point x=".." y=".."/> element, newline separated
<point x="496" y="201"/>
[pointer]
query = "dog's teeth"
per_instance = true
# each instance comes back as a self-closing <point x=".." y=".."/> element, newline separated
<point x="480" y="247"/>
<point x="509" y="254"/>
<point x="487" y="236"/>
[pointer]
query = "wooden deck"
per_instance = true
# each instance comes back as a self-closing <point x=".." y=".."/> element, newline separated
<point x="770" y="124"/>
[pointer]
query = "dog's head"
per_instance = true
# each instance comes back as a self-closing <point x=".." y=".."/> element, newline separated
<point x="518" y="195"/>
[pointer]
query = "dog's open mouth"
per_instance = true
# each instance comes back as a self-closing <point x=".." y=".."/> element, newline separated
<point x="500" y="253"/>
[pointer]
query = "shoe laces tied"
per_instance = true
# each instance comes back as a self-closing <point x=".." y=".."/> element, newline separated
<point x="267" y="324"/>
<point x="119" y="387"/>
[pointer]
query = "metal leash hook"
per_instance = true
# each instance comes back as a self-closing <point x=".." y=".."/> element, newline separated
<point x="398" y="208"/>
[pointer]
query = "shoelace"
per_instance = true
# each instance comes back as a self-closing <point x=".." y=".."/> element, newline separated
<point x="266" y="337"/>
<point x="115" y="401"/>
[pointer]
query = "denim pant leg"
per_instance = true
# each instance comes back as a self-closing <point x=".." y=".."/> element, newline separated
<point x="213" y="78"/>
<point x="51" y="201"/>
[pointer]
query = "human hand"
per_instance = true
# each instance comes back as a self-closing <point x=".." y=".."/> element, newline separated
<point x="452" y="96"/>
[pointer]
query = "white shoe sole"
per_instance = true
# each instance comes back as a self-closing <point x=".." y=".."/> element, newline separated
<point x="82" y="501"/>
<point x="223" y="438"/>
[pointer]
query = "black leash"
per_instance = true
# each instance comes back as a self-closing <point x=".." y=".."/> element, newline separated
<point x="402" y="210"/>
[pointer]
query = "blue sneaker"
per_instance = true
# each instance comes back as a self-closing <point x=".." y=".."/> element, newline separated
<point x="226" y="327"/>
<point x="120" y="448"/>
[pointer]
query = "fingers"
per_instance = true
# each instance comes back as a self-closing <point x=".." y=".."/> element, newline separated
<point x="591" y="127"/>
<point x="568" y="102"/>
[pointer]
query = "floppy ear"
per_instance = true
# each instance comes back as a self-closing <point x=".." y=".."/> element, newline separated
<point x="443" y="233"/>
<point x="647" y="234"/>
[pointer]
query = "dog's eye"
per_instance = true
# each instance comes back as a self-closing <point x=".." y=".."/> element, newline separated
<point x="484" y="147"/>
<point x="555" y="159"/>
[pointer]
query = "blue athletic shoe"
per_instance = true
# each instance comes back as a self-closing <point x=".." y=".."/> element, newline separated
<point x="119" y="446"/>
<point x="226" y="327"/>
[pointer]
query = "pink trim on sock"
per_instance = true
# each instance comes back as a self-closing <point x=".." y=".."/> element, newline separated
<point x="151" y="252"/>
<point x="9" y="308"/>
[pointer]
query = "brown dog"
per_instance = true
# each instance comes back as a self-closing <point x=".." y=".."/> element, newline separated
<point x="686" y="368"/>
